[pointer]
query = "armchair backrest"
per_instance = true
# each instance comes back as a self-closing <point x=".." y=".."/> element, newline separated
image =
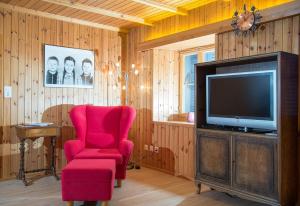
<point x="100" y="126"/>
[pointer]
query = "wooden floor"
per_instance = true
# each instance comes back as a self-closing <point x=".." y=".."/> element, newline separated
<point x="143" y="187"/>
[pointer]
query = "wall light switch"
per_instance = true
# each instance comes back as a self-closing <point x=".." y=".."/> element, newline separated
<point x="7" y="92"/>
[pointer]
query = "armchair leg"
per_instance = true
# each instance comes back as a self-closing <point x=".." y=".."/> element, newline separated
<point x="104" y="203"/>
<point x="70" y="203"/>
<point x="119" y="183"/>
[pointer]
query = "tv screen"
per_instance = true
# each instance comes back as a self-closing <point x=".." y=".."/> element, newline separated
<point x="242" y="99"/>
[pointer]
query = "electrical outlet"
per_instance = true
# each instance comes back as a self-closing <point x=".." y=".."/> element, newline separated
<point x="151" y="148"/>
<point x="156" y="149"/>
<point x="7" y="92"/>
<point x="146" y="147"/>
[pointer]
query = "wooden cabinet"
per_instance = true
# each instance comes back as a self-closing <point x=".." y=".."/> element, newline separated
<point x="253" y="165"/>
<point x="214" y="157"/>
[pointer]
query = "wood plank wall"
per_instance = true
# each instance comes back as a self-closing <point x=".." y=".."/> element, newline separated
<point x="212" y="12"/>
<point x="158" y="101"/>
<point x="165" y="84"/>
<point x="22" y="38"/>
<point x="176" y="149"/>
<point x="279" y="35"/>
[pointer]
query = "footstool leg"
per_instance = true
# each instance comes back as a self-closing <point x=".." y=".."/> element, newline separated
<point x="119" y="183"/>
<point x="70" y="203"/>
<point x="104" y="203"/>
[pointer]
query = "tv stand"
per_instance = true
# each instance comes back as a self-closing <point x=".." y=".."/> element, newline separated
<point x="252" y="164"/>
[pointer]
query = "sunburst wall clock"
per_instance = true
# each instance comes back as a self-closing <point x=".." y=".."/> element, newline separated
<point x="246" y="21"/>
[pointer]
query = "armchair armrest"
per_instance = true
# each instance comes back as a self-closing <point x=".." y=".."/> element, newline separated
<point x="126" y="147"/>
<point x="72" y="147"/>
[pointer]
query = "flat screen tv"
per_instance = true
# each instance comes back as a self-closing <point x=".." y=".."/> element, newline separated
<point x="245" y="99"/>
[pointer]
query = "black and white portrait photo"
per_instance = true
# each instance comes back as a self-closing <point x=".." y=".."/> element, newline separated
<point x="69" y="67"/>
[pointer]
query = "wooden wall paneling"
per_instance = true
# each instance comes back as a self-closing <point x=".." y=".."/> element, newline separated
<point x="14" y="84"/>
<point x="59" y="101"/>
<point x="171" y="154"/>
<point x="287" y="34"/>
<point x="181" y="151"/>
<point x="70" y="91"/>
<point x="162" y="146"/>
<point x="21" y="75"/>
<point x="106" y="63"/>
<point x="176" y="141"/>
<point x="161" y="85"/>
<point x="159" y="144"/>
<point x="167" y="149"/>
<point x="141" y="103"/>
<point x="282" y="34"/>
<point x="147" y="104"/>
<point x="278" y="35"/>
<point x="253" y="44"/>
<point x="6" y="102"/>
<point x="2" y="142"/>
<point x="225" y="46"/>
<point x="269" y="37"/>
<point x="28" y="145"/>
<point x="34" y="87"/>
<point x="98" y="95"/>
<point x="155" y="86"/>
<point x="191" y="152"/>
<point x="246" y="45"/>
<point x="149" y="101"/>
<point x="169" y="84"/>
<point x="231" y="45"/>
<point x="220" y="46"/>
<point x="176" y="150"/>
<point x="296" y="34"/>
<point x="261" y="39"/>
<point x="90" y="38"/>
<point x="41" y="91"/>
<point x="239" y="46"/>
<point x="22" y="56"/>
<point x="95" y="93"/>
<point x="176" y="83"/>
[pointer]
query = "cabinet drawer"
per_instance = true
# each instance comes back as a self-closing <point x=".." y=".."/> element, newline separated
<point x="213" y="157"/>
<point x="38" y="132"/>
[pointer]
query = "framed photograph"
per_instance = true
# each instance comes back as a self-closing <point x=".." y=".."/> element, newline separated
<point x="68" y="67"/>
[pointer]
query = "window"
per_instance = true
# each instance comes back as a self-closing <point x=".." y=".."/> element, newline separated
<point x="188" y="103"/>
<point x="189" y="82"/>
<point x="208" y="56"/>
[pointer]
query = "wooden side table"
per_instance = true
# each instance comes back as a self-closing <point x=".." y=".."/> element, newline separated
<point x="33" y="132"/>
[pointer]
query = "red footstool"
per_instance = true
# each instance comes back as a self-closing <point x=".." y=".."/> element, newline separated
<point x="88" y="180"/>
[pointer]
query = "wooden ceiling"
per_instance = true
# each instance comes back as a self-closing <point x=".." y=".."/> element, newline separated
<point x="114" y="13"/>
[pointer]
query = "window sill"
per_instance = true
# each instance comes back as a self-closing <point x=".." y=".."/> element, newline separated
<point x="177" y="123"/>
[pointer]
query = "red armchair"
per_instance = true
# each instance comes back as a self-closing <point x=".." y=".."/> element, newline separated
<point x="101" y="133"/>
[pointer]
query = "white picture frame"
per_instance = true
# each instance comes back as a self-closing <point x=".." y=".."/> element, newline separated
<point x="68" y="67"/>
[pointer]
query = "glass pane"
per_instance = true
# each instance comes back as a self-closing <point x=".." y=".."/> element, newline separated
<point x="209" y="56"/>
<point x="189" y="82"/>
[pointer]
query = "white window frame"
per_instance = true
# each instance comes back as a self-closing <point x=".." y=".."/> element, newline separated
<point x="200" y="51"/>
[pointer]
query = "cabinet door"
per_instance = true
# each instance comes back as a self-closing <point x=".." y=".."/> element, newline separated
<point x="255" y="165"/>
<point x="213" y="157"/>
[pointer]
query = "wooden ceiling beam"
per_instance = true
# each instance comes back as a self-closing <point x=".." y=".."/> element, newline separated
<point x="162" y="6"/>
<point x="97" y="10"/>
<point x="59" y="17"/>
<point x="268" y="14"/>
